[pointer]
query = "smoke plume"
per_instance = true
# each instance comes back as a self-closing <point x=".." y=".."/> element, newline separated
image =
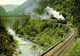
<point x="30" y="5"/>
<point x="55" y="14"/>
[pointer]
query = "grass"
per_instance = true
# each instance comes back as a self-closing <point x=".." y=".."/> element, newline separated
<point x="75" y="50"/>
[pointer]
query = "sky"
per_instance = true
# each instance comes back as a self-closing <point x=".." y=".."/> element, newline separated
<point x="12" y="2"/>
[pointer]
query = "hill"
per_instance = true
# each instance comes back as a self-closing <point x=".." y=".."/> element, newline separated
<point x="6" y="40"/>
<point x="2" y="11"/>
<point x="27" y="7"/>
<point x="9" y="7"/>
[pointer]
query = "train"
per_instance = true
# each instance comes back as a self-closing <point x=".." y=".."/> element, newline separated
<point x="56" y="20"/>
<point x="61" y="21"/>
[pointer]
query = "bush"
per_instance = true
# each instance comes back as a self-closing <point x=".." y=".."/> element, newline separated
<point x="33" y="33"/>
<point x="75" y="50"/>
<point x="78" y="30"/>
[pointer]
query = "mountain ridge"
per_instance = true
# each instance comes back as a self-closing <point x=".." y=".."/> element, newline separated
<point x="9" y="7"/>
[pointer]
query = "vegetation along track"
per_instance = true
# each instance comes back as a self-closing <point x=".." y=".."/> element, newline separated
<point x="62" y="48"/>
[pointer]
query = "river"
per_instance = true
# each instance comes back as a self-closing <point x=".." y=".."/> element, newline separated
<point x="26" y="48"/>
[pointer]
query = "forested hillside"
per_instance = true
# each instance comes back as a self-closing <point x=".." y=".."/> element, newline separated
<point x="68" y="8"/>
<point x="27" y="7"/>
<point x="2" y="11"/>
<point x="65" y="7"/>
<point x="42" y="32"/>
<point x="9" y="7"/>
<point x="6" y="40"/>
<point x="41" y="27"/>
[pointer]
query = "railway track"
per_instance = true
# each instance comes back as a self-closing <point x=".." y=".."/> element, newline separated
<point x="62" y="48"/>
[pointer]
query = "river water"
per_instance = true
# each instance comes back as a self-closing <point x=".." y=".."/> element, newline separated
<point x="26" y="48"/>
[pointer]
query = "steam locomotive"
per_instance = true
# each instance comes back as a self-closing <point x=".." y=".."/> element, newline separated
<point x="61" y="21"/>
<point x="56" y="20"/>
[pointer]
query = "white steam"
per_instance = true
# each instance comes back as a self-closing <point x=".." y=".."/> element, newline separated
<point x="29" y="7"/>
<point x="45" y="16"/>
<point x="55" y="14"/>
<point x="50" y="11"/>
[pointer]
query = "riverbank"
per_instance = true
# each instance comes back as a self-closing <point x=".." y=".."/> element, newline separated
<point x="25" y="48"/>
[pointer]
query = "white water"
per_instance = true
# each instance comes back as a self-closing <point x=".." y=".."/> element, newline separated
<point x="25" y="47"/>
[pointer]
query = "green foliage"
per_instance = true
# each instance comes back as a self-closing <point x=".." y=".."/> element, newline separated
<point x="68" y="8"/>
<point x="78" y="30"/>
<point x="42" y="6"/>
<point x="65" y="7"/>
<point x="46" y="32"/>
<point x="76" y="12"/>
<point x="43" y="32"/>
<point x="34" y="27"/>
<point x="2" y="24"/>
<point x="15" y="41"/>
<point x="6" y="41"/>
<point x="50" y="36"/>
<point x="75" y="50"/>
<point x="32" y="38"/>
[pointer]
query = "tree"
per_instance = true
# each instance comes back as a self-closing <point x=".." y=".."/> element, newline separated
<point x="6" y="41"/>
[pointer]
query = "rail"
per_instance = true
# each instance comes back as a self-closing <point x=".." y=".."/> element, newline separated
<point x="59" y="51"/>
<point x="55" y="45"/>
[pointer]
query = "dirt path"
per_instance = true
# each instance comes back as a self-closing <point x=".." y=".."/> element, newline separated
<point x="63" y="48"/>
